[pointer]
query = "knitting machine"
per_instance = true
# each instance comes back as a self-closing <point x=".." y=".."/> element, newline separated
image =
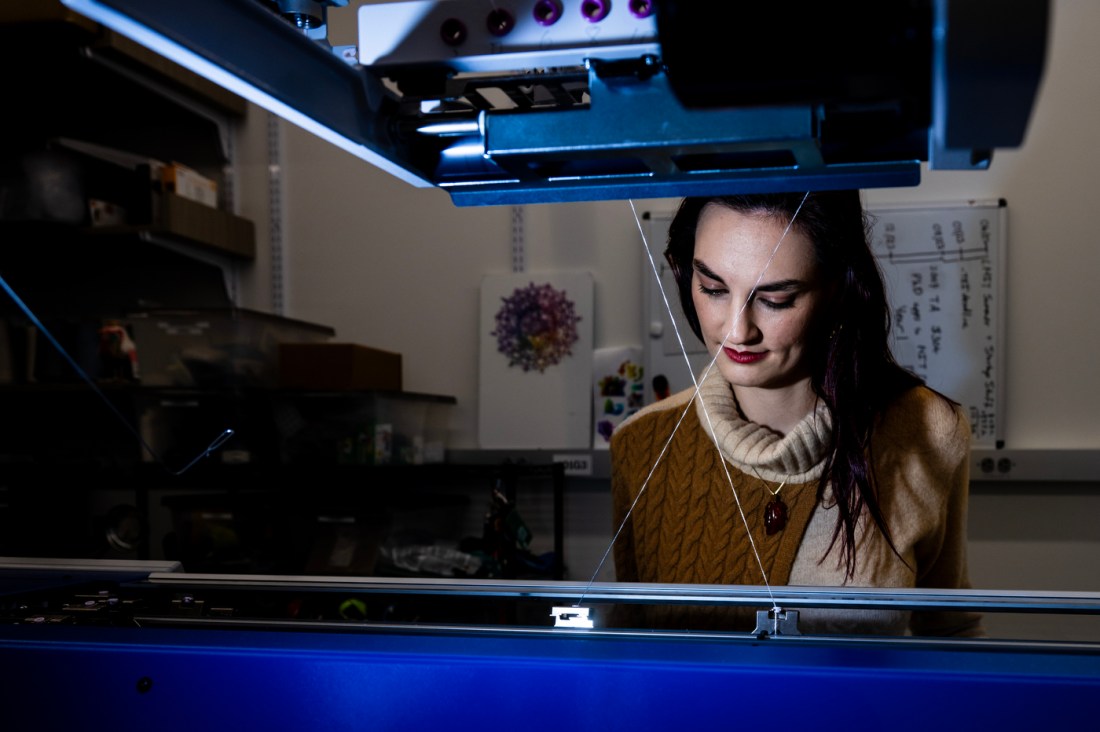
<point x="147" y="647"/>
<point x="517" y="101"/>
<point x="546" y="101"/>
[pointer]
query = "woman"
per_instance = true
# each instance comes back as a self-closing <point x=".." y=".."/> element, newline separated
<point x="842" y="465"/>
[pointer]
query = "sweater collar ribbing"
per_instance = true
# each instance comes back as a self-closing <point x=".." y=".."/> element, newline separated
<point x="797" y="457"/>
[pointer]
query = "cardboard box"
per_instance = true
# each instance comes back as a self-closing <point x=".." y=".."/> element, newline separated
<point x="198" y="224"/>
<point x="185" y="182"/>
<point x="338" y="367"/>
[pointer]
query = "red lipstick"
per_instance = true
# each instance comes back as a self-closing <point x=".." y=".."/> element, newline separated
<point x="744" y="356"/>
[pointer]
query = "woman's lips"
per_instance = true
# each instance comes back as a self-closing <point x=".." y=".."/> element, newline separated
<point x="744" y="356"/>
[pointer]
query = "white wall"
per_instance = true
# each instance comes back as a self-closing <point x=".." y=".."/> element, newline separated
<point x="399" y="268"/>
<point x="1051" y="187"/>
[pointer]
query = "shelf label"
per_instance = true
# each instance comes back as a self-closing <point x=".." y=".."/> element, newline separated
<point x="575" y="464"/>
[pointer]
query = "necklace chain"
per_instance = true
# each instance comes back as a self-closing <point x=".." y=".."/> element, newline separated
<point x="765" y="482"/>
<point x="776" y="492"/>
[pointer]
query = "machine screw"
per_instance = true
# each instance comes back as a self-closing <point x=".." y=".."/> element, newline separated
<point x="547" y="12"/>
<point x="500" y="22"/>
<point x="453" y="32"/>
<point x="595" y="10"/>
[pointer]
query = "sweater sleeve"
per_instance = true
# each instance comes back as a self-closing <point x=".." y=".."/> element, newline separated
<point x="942" y="555"/>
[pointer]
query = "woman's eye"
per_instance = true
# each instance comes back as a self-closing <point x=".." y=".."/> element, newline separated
<point x="777" y="304"/>
<point x="711" y="291"/>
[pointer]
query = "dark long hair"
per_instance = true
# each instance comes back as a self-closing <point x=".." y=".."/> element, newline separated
<point x="853" y="371"/>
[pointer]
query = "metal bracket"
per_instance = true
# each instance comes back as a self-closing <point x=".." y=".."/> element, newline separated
<point x="776" y="621"/>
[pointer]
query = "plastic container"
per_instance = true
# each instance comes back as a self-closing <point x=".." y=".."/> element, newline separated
<point x="368" y="428"/>
<point x="215" y="348"/>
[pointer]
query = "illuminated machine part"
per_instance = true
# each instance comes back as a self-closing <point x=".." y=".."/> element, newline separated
<point x="563" y="100"/>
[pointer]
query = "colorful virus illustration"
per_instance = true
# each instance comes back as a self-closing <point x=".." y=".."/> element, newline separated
<point x="536" y="327"/>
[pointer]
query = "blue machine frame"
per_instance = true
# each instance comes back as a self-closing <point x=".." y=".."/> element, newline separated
<point x="200" y="669"/>
<point x="420" y="679"/>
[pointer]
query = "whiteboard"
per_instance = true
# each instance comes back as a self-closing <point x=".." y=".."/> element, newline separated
<point x="944" y="267"/>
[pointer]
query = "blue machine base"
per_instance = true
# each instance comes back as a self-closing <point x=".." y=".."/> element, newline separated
<point x="70" y="677"/>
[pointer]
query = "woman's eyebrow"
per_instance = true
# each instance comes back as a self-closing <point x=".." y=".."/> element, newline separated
<point x="787" y="285"/>
<point x="706" y="271"/>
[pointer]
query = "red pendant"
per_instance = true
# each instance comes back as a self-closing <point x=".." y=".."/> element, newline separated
<point x="775" y="516"/>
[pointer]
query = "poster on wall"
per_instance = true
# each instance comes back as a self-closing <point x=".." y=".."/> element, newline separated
<point x="618" y="390"/>
<point x="535" y="360"/>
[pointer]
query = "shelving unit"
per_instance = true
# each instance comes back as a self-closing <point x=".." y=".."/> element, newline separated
<point x="91" y="110"/>
<point x="94" y="114"/>
<point x="104" y="107"/>
<point x="278" y="519"/>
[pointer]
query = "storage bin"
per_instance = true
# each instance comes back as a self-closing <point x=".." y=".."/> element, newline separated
<point x="367" y="428"/>
<point x="215" y="348"/>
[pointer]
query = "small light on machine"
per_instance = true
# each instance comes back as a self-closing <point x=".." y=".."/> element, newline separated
<point x="571" y="617"/>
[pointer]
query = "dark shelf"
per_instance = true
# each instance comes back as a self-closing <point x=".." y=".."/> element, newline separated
<point x="60" y="272"/>
<point x="105" y="112"/>
<point x="267" y="518"/>
<point x="91" y="84"/>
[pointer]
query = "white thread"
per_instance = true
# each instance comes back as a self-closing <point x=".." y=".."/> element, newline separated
<point x="695" y="394"/>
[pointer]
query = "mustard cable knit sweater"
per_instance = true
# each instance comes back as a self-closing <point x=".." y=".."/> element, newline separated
<point x="687" y="527"/>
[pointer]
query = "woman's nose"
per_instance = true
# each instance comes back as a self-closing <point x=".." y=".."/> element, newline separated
<point x="741" y="327"/>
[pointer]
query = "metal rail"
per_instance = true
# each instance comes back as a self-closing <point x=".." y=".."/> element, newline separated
<point x="1045" y="601"/>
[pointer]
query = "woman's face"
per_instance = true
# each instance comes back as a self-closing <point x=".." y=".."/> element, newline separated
<point x="763" y="340"/>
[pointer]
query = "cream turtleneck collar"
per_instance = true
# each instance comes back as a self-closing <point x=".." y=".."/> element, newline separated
<point x="797" y="457"/>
